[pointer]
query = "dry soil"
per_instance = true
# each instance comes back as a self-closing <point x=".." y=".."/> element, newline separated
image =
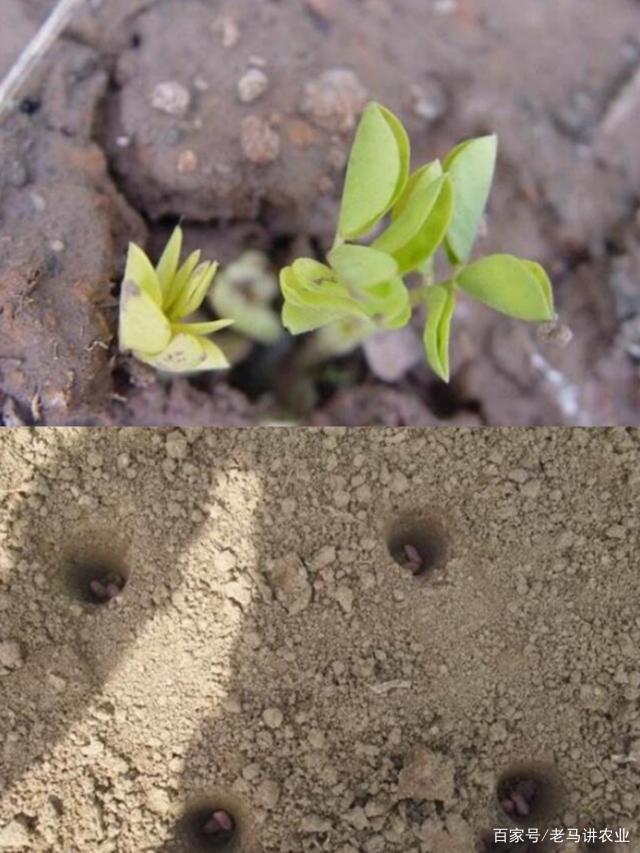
<point x="269" y="656"/>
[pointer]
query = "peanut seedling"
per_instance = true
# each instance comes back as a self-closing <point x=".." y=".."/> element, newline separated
<point x="155" y="304"/>
<point x="411" y="217"/>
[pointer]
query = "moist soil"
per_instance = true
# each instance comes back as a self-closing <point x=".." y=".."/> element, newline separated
<point x="236" y="118"/>
<point x="272" y="665"/>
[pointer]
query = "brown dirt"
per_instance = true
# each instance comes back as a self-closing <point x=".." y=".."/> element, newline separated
<point x="555" y="80"/>
<point x="269" y="657"/>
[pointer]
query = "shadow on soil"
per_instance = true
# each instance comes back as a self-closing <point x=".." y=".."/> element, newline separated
<point x="105" y="533"/>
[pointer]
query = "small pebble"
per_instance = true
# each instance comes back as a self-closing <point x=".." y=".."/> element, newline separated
<point x="201" y="84"/>
<point x="228" y="30"/>
<point x="334" y="100"/>
<point x="171" y="97"/>
<point x="187" y="162"/>
<point x="38" y="202"/>
<point x="252" y="85"/>
<point x="273" y="718"/>
<point x="260" y="143"/>
<point x="555" y="333"/>
<point x="430" y="101"/>
<point x="268" y="793"/>
<point x="10" y="655"/>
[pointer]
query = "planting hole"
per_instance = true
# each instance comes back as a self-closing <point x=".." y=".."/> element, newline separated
<point x="210" y="827"/>
<point x="418" y="545"/>
<point x="95" y="576"/>
<point x="29" y="106"/>
<point x="529" y="796"/>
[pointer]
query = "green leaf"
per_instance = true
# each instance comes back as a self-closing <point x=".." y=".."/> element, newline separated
<point x="389" y="303"/>
<point x="417" y="232"/>
<point x="214" y="358"/>
<point x="204" y="328"/>
<point x="194" y="291"/>
<point x="512" y="286"/>
<point x="313" y="271"/>
<point x="140" y="270"/>
<point x="377" y="172"/>
<point x="184" y="354"/>
<point x="168" y="263"/>
<point x="311" y="284"/>
<point x="423" y="175"/>
<point x="180" y="280"/>
<point x="312" y="303"/>
<point x="441" y="303"/>
<point x="143" y="326"/>
<point x="471" y="166"/>
<point x="361" y="267"/>
<point x="314" y="297"/>
<point x="545" y="283"/>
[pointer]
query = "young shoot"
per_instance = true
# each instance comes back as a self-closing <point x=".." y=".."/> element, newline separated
<point x="362" y="287"/>
<point x="155" y="304"/>
<point x="245" y="291"/>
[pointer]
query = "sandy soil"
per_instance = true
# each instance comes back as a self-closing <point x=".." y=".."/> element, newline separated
<point x="95" y="156"/>
<point x="268" y="655"/>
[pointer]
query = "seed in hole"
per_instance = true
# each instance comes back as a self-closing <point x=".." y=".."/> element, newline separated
<point x="220" y="826"/>
<point x="411" y="559"/>
<point x="209" y="827"/>
<point x="528" y="796"/>
<point x="519" y="799"/>
<point x="418" y="545"/>
<point x="105" y="587"/>
<point x="531" y="795"/>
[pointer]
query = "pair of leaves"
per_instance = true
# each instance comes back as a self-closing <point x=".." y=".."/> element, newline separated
<point x="428" y="206"/>
<point x="377" y="172"/>
<point x="518" y="288"/>
<point x="378" y="182"/>
<point x="420" y="219"/>
<point x="153" y="304"/>
<point x="441" y="304"/>
<point x="360" y="283"/>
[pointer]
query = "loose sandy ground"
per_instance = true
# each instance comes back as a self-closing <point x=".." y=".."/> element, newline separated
<point x="269" y="656"/>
